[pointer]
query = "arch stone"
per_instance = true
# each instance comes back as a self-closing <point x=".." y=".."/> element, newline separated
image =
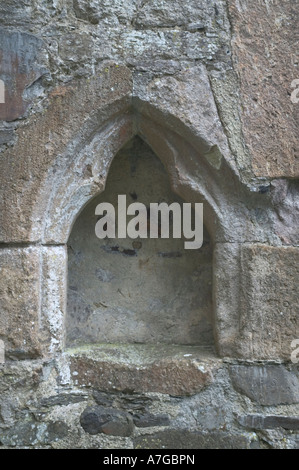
<point x="67" y="153"/>
<point x="191" y="145"/>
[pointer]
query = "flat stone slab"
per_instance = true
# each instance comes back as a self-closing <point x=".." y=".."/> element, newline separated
<point x="172" y="370"/>
<point x="266" y="385"/>
<point x="270" y="422"/>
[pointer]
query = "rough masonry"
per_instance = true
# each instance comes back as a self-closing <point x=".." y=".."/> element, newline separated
<point x="106" y="346"/>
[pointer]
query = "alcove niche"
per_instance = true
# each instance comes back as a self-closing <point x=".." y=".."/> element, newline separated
<point x="137" y="291"/>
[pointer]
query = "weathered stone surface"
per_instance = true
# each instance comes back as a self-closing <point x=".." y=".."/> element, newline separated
<point x="269" y="301"/>
<point x="53" y="303"/>
<point x="144" y="33"/>
<point x="20" y="301"/>
<point x="12" y="12"/>
<point x="189" y="97"/>
<point x="143" y="369"/>
<point x="32" y="300"/>
<point x="148" y="420"/>
<point x="20" y="376"/>
<point x="256" y="300"/>
<point x="285" y="196"/>
<point x="40" y="141"/>
<point x="132" y="403"/>
<point x="23" y="62"/>
<point x="270" y="422"/>
<point x="26" y="14"/>
<point x="195" y="15"/>
<point x="62" y="399"/>
<point x="97" y="419"/>
<point x="278" y="439"/>
<point x="165" y="71"/>
<point x="33" y="434"/>
<point x="120" y="12"/>
<point x="225" y="88"/>
<point x="6" y="134"/>
<point x="265" y="56"/>
<point x="184" y="439"/>
<point x="226" y="286"/>
<point x="266" y="385"/>
<point x="55" y="431"/>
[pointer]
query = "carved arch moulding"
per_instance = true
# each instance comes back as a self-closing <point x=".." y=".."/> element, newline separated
<point x="66" y="155"/>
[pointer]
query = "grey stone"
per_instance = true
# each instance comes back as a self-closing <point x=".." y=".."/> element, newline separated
<point x="30" y="434"/>
<point x="98" y="419"/>
<point x="192" y="14"/>
<point x="184" y="439"/>
<point x="266" y="385"/>
<point x="12" y="12"/>
<point x="132" y="403"/>
<point x="115" y="13"/>
<point x="285" y="196"/>
<point x="6" y="136"/>
<point x="148" y="420"/>
<point x="56" y="430"/>
<point x="24" y="434"/>
<point x="277" y="439"/>
<point x="62" y="399"/>
<point x="270" y="422"/>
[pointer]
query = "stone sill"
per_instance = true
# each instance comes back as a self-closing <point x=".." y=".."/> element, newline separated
<point x="169" y="369"/>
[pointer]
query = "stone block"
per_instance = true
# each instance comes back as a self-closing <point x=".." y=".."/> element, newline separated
<point x="265" y="57"/>
<point x="32" y="300"/>
<point x="184" y="439"/>
<point x="256" y="300"/>
<point x="27" y="14"/>
<point x="33" y="434"/>
<point x="12" y="12"/>
<point x="148" y="420"/>
<point x="23" y="62"/>
<point x="193" y="15"/>
<point x="147" y="368"/>
<point x="269" y="307"/>
<point x="285" y="196"/>
<point x="80" y="108"/>
<point x="266" y="385"/>
<point x="20" y="302"/>
<point x="270" y="422"/>
<point x="119" y="12"/>
<point x="188" y="97"/>
<point x="53" y="298"/>
<point x="62" y="399"/>
<point x="226" y="288"/>
<point x="97" y="419"/>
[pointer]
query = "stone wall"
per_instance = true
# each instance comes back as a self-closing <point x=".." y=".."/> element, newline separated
<point x="207" y="87"/>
